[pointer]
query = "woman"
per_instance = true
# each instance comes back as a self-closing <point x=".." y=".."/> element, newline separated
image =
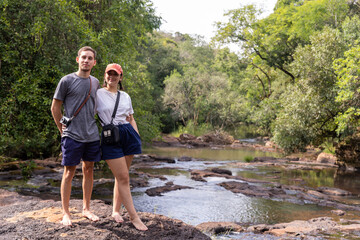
<point x="119" y="157"/>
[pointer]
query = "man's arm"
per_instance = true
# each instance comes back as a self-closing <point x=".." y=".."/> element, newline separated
<point x="56" y="113"/>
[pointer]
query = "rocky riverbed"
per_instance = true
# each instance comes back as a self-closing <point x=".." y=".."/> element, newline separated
<point x="34" y="213"/>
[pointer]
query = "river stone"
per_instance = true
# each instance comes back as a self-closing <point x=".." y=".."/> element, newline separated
<point x="221" y="171"/>
<point x="219" y="227"/>
<point x="334" y="191"/>
<point x="326" y="158"/>
<point x="169" y="186"/>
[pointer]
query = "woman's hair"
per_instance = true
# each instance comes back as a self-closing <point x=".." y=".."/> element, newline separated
<point x="120" y="84"/>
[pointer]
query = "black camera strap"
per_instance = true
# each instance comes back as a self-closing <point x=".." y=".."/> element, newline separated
<point x="87" y="98"/>
<point x="116" y="106"/>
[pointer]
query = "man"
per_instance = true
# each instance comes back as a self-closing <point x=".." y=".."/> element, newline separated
<point x="79" y="139"/>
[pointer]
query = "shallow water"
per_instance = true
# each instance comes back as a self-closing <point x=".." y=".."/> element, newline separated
<point x="209" y="202"/>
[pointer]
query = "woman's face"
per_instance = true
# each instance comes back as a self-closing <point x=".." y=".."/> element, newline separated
<point x="112" y="78"/>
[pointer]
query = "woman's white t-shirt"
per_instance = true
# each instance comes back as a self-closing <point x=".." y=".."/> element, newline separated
<point x="105" y="103"/>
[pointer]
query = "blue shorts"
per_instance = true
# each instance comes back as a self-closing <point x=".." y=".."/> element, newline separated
<point x="130" y="144"/>
<point x="73" y="151"/>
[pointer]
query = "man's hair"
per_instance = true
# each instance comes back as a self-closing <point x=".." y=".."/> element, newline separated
<point x="87" y="48"/>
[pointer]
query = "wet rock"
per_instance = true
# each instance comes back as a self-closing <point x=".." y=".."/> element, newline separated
<point x="338" y="212"/>
<point x="169" y="186"/>
<point x="162" y="159"/>
<point x="49" y="162"/>
<point x="221" y="171"/>
<point x="252" y="190"/>
<point x="9" y="166"/>
<point x="36" y="219"/>
<point x="200" y="175"/>
<point x="185" y="159"/>
<point x="8" y="198"/>
<point x="264" y="159"/>
<point x="334" y="191"/>
<point x="219" y="227"/>
<point x="197" y="177"/>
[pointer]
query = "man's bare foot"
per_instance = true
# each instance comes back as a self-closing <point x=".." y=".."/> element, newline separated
<point x="138" y="224"/>
<point x="66" y="220"/>
<point x="89" y="215"/>
<point x="117" y="217"/>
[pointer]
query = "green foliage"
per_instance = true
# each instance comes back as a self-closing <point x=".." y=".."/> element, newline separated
<point x="248" y="159"/>
<point x="328" y="147"/>
<point x="27" y="168"/>
<point x="195" y="130"/>
<point x="348" y="73"/>
<point x="39" y="41"/>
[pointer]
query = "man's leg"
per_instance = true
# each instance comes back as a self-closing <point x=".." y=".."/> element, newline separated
<point x="69" y="172"/>
<point x="88" y="179"/>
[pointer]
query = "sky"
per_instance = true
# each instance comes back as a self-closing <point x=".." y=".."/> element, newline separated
<point x="198" y="16"/>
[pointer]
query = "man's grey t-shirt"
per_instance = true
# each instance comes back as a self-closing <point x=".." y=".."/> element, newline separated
<point x="73" y="90"/>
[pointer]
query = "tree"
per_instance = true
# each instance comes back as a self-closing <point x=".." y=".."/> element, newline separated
<point x="309" y="107"/>
<point x="38" y="43"/>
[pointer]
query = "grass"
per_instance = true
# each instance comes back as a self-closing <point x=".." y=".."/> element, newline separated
<point x="248" y="158"/>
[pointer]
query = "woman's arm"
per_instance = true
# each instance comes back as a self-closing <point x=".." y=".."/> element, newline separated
<point x="131" y="120"/>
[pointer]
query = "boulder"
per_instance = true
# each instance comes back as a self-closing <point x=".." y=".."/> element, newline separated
<point x="326" y="158"/>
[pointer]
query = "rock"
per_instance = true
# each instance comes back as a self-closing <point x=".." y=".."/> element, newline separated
<point x="157" y="191"/>
<point x="219" y="227"/>
<point x="264" y="159"/>
<point x="186" y="137"/>
<point x="338" y="212"/>
<point x="221" y="171"/>
<point x="247" y="189"/>
<point x="185" y="159"/>
<point x="38" y="219"/>
<point x="271" y="144"/>
<point x="298" y="227"/>
<point x="4" y="167"/>
<point x="162" y="159"/>
<point x="326" y="158"/>
<point x="334" y="191"/>
<point x="218" y="138"/>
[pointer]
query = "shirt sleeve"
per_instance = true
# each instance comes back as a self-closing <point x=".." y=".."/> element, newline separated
<point x="61" y="90"/>
<point x="131" y="110"/>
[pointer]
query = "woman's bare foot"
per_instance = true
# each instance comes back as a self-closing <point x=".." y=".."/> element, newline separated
<point x="138" y="224"/>
<point x="117" y="217"/>
<point x="89" y="215"/>
<point x="66" y="220"/>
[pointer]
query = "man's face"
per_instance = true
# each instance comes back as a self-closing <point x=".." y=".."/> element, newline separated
<point x="86" y="61"/>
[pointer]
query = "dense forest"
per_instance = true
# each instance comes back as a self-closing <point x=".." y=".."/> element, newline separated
<point x="295" y="79"/>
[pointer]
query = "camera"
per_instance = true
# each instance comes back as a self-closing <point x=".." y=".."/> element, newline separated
<point x="65" y="121"/>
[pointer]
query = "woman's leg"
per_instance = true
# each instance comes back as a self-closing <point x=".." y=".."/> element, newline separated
<point x="119" y="168"/>
<point x="117" y="198"/>
<point x="117" y="204"/>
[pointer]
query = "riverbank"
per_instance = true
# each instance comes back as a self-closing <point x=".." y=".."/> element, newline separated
<point x="25" y="217"/>
<point x="340" y="218"/>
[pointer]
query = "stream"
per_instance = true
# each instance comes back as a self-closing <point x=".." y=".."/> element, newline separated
<point x="207" y="201"/>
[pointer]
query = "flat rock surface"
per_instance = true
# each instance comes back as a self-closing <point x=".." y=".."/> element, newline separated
<point x="32" y="218"/>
